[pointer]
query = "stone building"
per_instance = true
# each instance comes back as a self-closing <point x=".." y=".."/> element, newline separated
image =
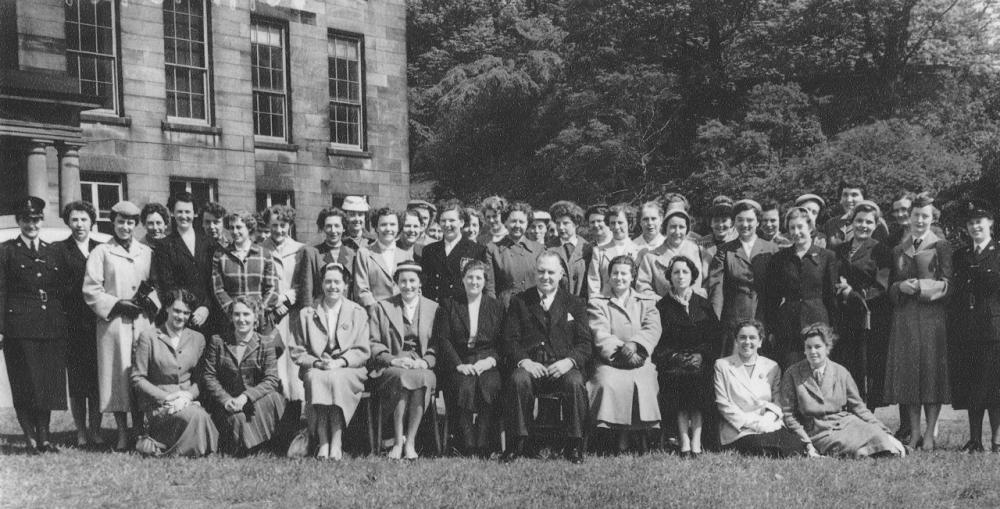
<point x="244" y="102"/>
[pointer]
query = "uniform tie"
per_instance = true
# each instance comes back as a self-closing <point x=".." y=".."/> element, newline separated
<point x="916" y="243"/>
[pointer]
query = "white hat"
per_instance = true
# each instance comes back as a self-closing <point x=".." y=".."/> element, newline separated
<point x="355" y="204"/>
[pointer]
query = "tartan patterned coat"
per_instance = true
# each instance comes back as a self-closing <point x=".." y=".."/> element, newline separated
<point x="224" y="376"/>
<point x="253" y="277"/>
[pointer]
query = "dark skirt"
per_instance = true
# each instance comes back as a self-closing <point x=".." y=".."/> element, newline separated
<point x="473" y="392"/>
<point x="255" y="425"/>
<point x="81" y="362"/>
<point x="776" y="444"/>
<point x="189" y="432"/>
<point x="975" y="377"/>
<point x="688" y="391"/>
<point x="37" y="372"/>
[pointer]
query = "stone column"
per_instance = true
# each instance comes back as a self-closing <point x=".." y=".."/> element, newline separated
<point x="38" y="172"/>
<point x="69" y="174"/>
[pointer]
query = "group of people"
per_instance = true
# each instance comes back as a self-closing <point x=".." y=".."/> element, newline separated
<point x="769" y="334"/>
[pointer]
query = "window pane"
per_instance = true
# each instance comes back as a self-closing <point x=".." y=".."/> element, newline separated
<point x="105" y="42"/>
<point x="87" y="12"/>
<point x="198" y="107"/>
<point x="88" y="38"/>
<point x="72" y="36"/>
<point x="104" y="16"/>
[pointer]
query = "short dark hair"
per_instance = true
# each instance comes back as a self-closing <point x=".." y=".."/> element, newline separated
<point x="866" y="208"/>
<point x="185" y="197"/>
<point x="566" y="208"/>
<point x="624" y="260"/>
<point x="182" y="295"/>
<point x="154" y="208"/>
<point x="328" y="212"/>
<point x="474" y="265"/>
<point x="246" y="217"/>
<point x="745" y="206"/>
<point x="621" y="208"/>
<point x="474" y="213"/>
<point x="851" y="184"/>
<point x="597" y="208"/>
<point x="283" y="213"/>
<point x="750" y="322"/>
<point x="344" y="271"/>
<point x="669" y="198"/>
<point x="79" y="206"/>
<point x="518" y="206"/>
<point x="770" y="204"/>
<point x="456" y="206"/>
<point x="253" y="304"/>
<point x="386" y="211"/>
<point x="498" y="204"/>
<point x="693" y="267"/>
<point x="822" y="330"/>
<point x="921" y="200"/>
<point x="214" y="208"/>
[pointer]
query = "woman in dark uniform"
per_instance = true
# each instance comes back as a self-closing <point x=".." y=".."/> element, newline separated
<point x="81" y="358"/>
<point x="974" y="327"/>
<point x="33" y="325"/>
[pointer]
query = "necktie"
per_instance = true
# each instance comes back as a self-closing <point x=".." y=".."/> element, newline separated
<point x="818" y="376"/>
<point x="34" y="247"/>
<point x="545" y="304"/>
<point x="916" y="243"/>
<point x="569" y="250"/>
<point x="979" y="250"/>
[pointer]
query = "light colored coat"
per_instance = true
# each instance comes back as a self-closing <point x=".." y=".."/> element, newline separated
<point x="598" y="281"/>
<point x="743" y="398"/>
<point x="613" y="390"/>
<point x="159" y="370"/>
<point x="373" y="280"/>
<point x="114" y="274"/>
<point x="284" y="260"/>
<point x="353" y="338"/>
<point x="653" y="277"/>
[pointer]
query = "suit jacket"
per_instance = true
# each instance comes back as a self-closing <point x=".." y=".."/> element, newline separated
<point x="387" y="331"/>
<point x="799" y="292"/>
<point x="373" y="280"/>
<point x="159" y="370"/>
<point x="31" y="291"/>
<point x="741" y="396"/>
<point x="735" y="280"/>
<point x="175" y="267"/>
<point x="562" y="332"/>
<point x="975" y="302"/>
<point x="312" y="337"/>
<point x="813" y="411"/>
<point x="513" y="266"/>
<point x="443" y="274"/>
<point x="308" y="271"/>
<point x="576" y="266"/>
<point x="224" y="376"/>
<point x="80" y="320"/>
<point x="451" y="332"/>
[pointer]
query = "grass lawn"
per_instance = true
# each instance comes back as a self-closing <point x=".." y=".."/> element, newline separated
<point x="87" y="478"/>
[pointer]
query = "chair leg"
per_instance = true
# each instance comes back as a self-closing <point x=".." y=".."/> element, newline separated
<point x="434" y="424"/>
<point x="372" y="445"/>
<point x="445" y="427"/>
<point x="377" y="403"/>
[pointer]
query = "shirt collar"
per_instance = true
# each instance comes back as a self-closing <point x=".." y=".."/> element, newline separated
<point x="451" y="245"/>
<point x="983" y="245"/>
<point x="572" y="241"/>
<point x="28" y="242"/>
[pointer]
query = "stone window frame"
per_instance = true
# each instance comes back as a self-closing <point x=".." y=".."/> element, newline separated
<point x="334" y="81"/>
<point x="260" y="91"/>
<point x="174" y="45"/>
<point x="76" y="28"/>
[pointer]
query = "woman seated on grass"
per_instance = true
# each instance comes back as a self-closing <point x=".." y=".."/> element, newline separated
<point x="331" y="349"/>
<point x="821" y="404"/>
<point x="747" y="393"/>
<point x="240" y="375"/>
<point x="403" y="356"/>
<point x="163" y="361"/>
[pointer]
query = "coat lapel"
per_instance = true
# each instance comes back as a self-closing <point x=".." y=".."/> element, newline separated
<point x="810" y="383"/>
<point x="426" y="313"/>
<point x="534" y="302"/>
<point x="739" y="374"/>
<point x="395" y="313"/>
<point x="375" y="254"/>
<point x="465" y="319"/>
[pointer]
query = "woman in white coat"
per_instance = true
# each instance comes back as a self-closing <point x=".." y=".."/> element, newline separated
<point x="284" y="254"/>
<point x="116" y="290"/>
<point x="747" y="389"/>
<point x="626" y="328"/>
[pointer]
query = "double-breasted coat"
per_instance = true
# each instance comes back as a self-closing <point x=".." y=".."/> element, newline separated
<point x="309" y="270"/>
<point x="917" y="364"/>
<point x="113" y="274"/>
<point x="735" y="281"/>
<point x="799" y="292"/>
<point x="612" y="390"/>
<point x="514" y="266"/>
<point x="974" y="328"/>
<point x="33" y="322"/>
<point x="442" y="274"/>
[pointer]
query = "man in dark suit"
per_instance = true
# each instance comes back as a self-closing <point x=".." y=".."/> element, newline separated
<point x="33" y="325"/>
<point x="442" y="261"/>
<point x="574" y="252"/>
<point x="547" y="342"/>
<point x="308" y="278"/>
<point x="183" y="260"/>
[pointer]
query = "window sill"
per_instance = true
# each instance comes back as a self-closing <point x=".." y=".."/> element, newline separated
<point x="275" y="145"/>
<point x="101" y="118"/>
<point x="190" y="128"/>
<point x="341" y="152"/>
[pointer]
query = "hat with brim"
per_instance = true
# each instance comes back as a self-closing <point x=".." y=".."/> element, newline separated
<point x="810" y="197"/>
<point x="678" y="213"/>
<point x="407" y="266"/>
<point x="421" y="204"/>
<point x="541" y="215"/>
<point x="752" y="203"/>
<point x="355" y="204"/>
<point x="126" y="208"/>
<point x="31" y="207"/>
<point x="978" y="209"/>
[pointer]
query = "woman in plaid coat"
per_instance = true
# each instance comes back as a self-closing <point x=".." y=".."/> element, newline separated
<point x="245" y="269"/>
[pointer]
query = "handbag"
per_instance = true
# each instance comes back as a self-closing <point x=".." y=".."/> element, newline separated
<point x="684" y="363"/>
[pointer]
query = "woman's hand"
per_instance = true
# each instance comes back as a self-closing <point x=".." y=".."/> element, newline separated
<point x="235" y="405"/>
<point x="842" y="287"/>
<point x="402" y="363"/>
<point x="909" y="287"/>
<point x="199" y="316"/>
<point x="466" y="369"/>
<point x="177" y="401"/>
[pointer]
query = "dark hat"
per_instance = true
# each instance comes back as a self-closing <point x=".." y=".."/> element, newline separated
<point x="421" y="204"/>
<point x="721" y="209"/>
<point x="31" y="206"/>
<point x="976" y="209"/>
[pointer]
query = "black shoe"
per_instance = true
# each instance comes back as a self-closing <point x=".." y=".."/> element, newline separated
<point x="48" y="447"/>
<point x="995" y="448"/>
<point x="903" y="435"/>
<point x="575" y="454"/>
<point x="973" y="446"/>
<point x="515" y="451"/>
